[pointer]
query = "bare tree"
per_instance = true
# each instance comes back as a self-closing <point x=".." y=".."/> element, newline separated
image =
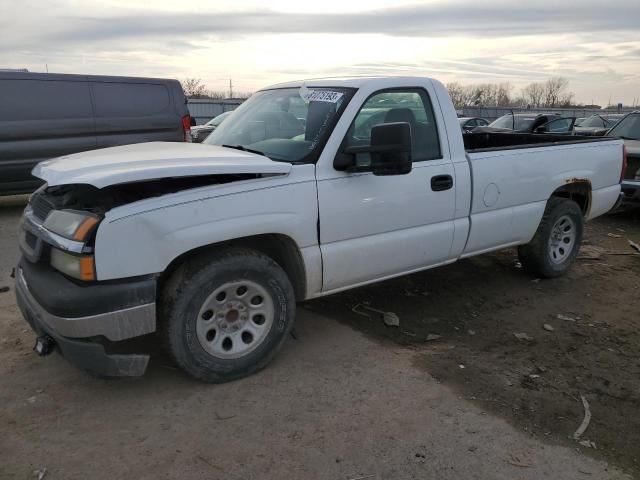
<point x="554" y="89"/>
<point x="457" y="94"/>
<point x="551" y="93"/>
<point x="486" y="94"/>
<point x="503" y="95"/>
<point x="533" y="95"/>
<point x="194" y="88"/>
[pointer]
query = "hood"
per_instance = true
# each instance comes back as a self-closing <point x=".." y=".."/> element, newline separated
<point x="149" y="161"/>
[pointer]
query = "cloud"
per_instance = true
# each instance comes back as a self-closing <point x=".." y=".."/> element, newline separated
<point x="463" y="40"/>
<point x="475" y="19"/>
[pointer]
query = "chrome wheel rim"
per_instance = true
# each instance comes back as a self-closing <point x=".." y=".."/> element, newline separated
<point x="562" y="239"/>
<point x="235" y="319"/>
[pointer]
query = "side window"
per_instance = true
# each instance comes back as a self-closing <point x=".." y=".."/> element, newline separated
<point x="560" y="125"/>
<point x="113" y="99"/>
<point x="412" y="106"/>
<point x="44" y="100"/>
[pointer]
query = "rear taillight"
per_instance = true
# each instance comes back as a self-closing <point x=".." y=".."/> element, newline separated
<point x="186" y="128"/>
<point x="624" y="163"/>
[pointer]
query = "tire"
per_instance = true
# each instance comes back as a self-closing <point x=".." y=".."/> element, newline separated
<point x="557" y="241"/>
<point x="226" y="314"/>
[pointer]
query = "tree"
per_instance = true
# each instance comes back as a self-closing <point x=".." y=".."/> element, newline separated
<point x="551" y="93"/>
<point x="486" y="94"/>
<point x="457" y="93"/>
<point x="533" y="95"/>
<point x="194" y="88"/>
<point x="555" y="89"/>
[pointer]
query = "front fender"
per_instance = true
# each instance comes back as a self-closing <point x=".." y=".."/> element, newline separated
<point x="147" y="242"/>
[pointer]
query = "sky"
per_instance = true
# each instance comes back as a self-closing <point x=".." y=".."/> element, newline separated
<point x="593" y="43"/>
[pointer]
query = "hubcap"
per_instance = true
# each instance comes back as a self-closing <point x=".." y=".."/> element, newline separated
<point x="562" y="239"/>
<point x="235" y="319"/>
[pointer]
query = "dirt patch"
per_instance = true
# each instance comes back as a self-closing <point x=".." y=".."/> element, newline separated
<point x="577" y="335"/>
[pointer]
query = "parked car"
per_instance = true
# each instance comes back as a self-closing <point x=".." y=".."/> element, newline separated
<point x="596" y="125"/>
<point x="467" y="124"/>
<point x="213" y="244"/>
<point x="628" y="129"/>
<point x="530" y="123"/>
<point x="200" y="132"/>
<point x="46" y="115"/>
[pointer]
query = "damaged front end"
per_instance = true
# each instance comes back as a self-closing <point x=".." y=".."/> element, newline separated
<point x="57" y="290"/>
<point x="93" y="322"/>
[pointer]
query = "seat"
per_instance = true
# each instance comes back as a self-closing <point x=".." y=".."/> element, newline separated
<point x="401" y="115"/>
<point x="424" y="140"/>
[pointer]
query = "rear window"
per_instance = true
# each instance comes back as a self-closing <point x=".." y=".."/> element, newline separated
<point x="43" y="100"/>
<point x="113" y="99"/>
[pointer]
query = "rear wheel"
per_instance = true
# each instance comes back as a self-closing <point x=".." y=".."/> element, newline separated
<point x="227" y="314"/>
<point x="557" y="240"/>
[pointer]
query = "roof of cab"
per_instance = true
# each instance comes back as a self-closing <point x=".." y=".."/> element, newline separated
<point x="349" y="82"/>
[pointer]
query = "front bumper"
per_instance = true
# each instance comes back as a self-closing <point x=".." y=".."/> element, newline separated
<point x="82" y="339"/>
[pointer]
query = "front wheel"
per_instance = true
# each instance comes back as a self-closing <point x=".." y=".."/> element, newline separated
<point x="226" y="314"/>
<point x="557" y="240"/>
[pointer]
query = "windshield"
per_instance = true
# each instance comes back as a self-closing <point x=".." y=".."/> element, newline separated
<point x="215" y="121"/>
<point x="595" y="121"/>
<point x="612" y="119"/>
<point x="286" y="124"/>
<point x="507" y="121"/>
<point x="628" y="127"/>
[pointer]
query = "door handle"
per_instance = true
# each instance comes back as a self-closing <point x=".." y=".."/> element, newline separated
<point x="441" y="182"/>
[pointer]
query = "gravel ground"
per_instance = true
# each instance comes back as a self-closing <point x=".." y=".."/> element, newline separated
<point x="351" y="398"/>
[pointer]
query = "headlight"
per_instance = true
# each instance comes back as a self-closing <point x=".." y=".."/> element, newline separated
<point x="81" y="267"/>
<point x="71" y="225"/>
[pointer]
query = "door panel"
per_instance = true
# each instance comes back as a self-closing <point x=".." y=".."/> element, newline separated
<point x="373" y="227"/>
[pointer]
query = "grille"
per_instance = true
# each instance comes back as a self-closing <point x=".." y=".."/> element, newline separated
<point x="41" y="206"/>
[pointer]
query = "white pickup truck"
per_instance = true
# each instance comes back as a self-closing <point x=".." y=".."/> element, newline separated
<point x="307" y="189"/>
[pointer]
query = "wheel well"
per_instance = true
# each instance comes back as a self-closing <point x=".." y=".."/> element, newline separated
<point x="578" y="190"/>
<point x="280" y="248"/>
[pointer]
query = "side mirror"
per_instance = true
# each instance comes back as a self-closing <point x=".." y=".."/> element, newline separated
<point x="389" y="151"/>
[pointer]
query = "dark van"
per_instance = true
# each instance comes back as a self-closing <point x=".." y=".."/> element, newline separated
<point x="46" y="115"/>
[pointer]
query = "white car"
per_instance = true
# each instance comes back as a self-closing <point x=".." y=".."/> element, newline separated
<point x="213" y="244"/>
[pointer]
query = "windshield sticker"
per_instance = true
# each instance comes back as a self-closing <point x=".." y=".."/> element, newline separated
<point x="309" y="95"/>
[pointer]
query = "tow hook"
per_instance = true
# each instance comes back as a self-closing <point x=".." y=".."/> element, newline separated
<point x="44" y="345"/>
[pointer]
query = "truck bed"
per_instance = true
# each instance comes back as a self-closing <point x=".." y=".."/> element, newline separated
<point x="492" y="141"/>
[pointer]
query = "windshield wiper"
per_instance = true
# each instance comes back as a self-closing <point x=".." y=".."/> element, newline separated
<point x="245" y="149"/>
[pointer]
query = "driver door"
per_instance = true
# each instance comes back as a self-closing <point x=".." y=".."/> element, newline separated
<point x="374" y="227"/>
